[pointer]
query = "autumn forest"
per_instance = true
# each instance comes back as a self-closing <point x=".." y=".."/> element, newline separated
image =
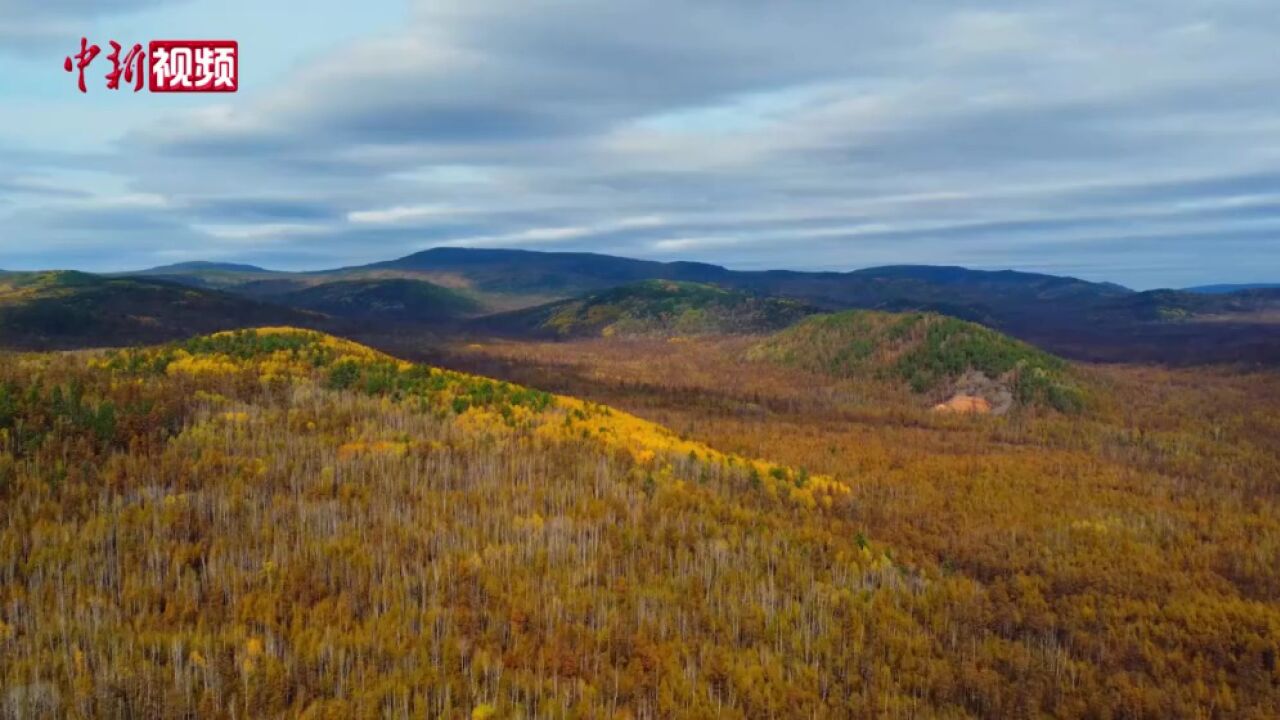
<point x="673" y="514"/>
<point x="639" y="360"/>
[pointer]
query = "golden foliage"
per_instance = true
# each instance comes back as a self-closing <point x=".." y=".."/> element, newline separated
<point x="1117" y="563"/>
<point x="318" y="530"/>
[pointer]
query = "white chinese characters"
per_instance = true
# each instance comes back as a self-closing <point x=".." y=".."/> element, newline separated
<point x="194" y="66"/>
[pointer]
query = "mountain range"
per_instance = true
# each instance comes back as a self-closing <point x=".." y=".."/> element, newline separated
<point x="449" y="288"/>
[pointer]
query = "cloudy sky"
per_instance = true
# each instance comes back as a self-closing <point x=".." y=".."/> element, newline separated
<point x="1137" y="142"/>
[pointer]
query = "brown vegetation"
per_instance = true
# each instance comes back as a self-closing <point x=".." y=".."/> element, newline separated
<point x="1117" y="563"/>
<point x="285" y="524"/>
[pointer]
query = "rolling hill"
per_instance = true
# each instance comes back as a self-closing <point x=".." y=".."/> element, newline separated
<point x="652" y="307"/>
<point x="208" y="274"/>
<point x="204" y="266"/>
<point x="395" y="299"/>
<point x="68" y="309"/>
<point x="538" y="274"/>
<point x="326" y="512"/>
<point x="960" y="364"/>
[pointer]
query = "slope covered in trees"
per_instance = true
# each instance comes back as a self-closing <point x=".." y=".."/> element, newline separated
<point x="395" y="299"/>
<point x="1119" y="562"/>
<point x="73" y="309"/>
<point x="277" y="521"/>
<point x="653" y="307"/>
<point x="933" y="354"/>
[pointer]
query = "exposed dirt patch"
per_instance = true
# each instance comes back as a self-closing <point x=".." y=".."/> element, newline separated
<point x="964" y="405"/>
<point x="976" y="393"/>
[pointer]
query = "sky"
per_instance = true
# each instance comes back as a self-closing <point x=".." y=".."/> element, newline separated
<point x="1134" y="142"/>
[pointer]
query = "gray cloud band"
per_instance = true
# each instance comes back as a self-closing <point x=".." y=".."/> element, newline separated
<point x="798" y="134"/>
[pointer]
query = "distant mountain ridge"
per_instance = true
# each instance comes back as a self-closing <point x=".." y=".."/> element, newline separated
<point x="1229" y="288"/>
<point x="204" y="274"/>
<point x="1068" y="316"/>
<point x="567" y="273"/>
<point x="508" y="271"/>
<point x="524" y="278"/>
<point x="1182" y="306"/>
<point x="201" y="266"/>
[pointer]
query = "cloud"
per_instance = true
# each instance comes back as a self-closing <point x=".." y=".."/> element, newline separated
<point x="537" y="235"/>
<point x="34" y="26"/>
<point x="1031" y="134"/>
<point x="258" y="231"/>
<point x="400" y="213"/>
<point x="38" y="188"/>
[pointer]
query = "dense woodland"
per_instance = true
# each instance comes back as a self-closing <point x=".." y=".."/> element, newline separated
<point x="650" y="308"/>
<point x="255" y="524"/>
<point x="927" y="351"/>
<point x="1117" y="562"/>
<point x="280" y="523"/>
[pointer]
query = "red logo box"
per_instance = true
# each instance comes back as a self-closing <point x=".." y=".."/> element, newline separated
<point x="194" y="66"/>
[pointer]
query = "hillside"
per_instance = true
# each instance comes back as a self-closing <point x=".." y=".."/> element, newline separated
<point x="401" y="300"/>
<point x="73" y="310"/>
<point x="255" y="519"/>
<point x="544" y="273"/>
<point x="974" y="294"/>
<point x="652" y="307"/>
<point x="942" y="358"/>
<point x="1098" y="564"/>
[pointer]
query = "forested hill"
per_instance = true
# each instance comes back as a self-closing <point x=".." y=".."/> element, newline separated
<point x="75" y="310"/>
<point x="249" y="522"/>
<point x="386" y="299"/>
<point x="937" y="356"/>
<point x="652" y="308"/>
